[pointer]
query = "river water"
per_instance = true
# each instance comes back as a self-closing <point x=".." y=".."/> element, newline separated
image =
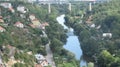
<point x="73" y="44"/>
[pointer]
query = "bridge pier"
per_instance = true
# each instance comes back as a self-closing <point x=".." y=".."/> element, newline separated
<point x="49" y="8"/>
<point x="70" y="7"/>
<point x="90" y="6"/>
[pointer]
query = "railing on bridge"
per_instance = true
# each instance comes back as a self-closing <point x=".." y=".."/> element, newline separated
<point x="62" y="1"/>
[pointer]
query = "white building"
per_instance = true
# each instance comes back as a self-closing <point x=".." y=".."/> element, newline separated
<point x="32" y="17"/>
<point x="22" y="9"/>
<point x="92" y="26"/>
<point x="107" y="35"/>
<point x="6" y="5"/>
<point x="39" y="57"/>
<point x="19" y="24"/>
<point x="41" y="60"/>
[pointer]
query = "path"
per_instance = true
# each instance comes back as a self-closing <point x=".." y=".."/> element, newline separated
<point x="49" y="56"/>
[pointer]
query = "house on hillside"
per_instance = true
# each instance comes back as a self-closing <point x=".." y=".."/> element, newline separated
<point x="92" y="25"/>
<point x="31" y="25"/>
<point x="19" y="24"/>
<point x="41" y="60"/>
<point x="11" y="9"/>
<point x="1" y="19"/>
<point x="107" y="35"/>
<point x="29" y="53"/>
<point x="38" y="65"/>
<point x="36" y="22"/>
<point x="39" y="57"/>
<point x="22" y="16"/>
<point x="6" y="5"/>
<point x="43" y="25"/>
<point x="2" y="29"/>
<point x="22" y="9"/>
<point x="32" y="17"/>
<point x="44" y="63"/>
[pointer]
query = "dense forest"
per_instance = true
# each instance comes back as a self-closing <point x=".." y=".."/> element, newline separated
<point x="98" y="32"/>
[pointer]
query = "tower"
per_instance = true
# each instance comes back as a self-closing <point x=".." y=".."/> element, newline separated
<point x="90" y="6"/>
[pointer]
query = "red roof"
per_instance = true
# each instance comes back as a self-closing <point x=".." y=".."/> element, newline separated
<point x="11" y="9"/>
<point x="33" y="26"/>
<point x="35" y="19"/>
<point x="1" y="28"/>
<point x="17" y="23"/>
<point x="1" y="17"/>
<point x="37" y="65"/>
<point x="32" y="15"/>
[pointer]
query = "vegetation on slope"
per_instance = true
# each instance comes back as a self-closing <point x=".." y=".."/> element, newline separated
<point x="29" y="39"/>
<point x="103" y="51"/>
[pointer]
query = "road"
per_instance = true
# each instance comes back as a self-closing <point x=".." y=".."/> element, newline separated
<point x="49" y="56"/>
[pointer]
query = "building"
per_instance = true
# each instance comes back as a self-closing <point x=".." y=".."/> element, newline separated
<point x="19" y="24"/>
<point x="32" y="17"/>
<point x="2" y="29"/>
<point x="22" y="9"/>
<point x="36" y="22"/>
<point x="31" y="25"/>
<point x="29" y="53"/>
<point x="92" y="25"/>
<point x="44" y="63"/>
<point x="6" y="5"/>
<point x="39" y="57"/>
<point x="43" y="25"/>
<point x="41" y="60"/>
<point x="1" y="20"/>
<point x="107" y="35"/>
<point x="11" y="9"/>
<point x="37" y="65"/>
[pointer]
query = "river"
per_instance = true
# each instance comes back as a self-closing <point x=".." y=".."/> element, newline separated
<point x="73" y="44"/>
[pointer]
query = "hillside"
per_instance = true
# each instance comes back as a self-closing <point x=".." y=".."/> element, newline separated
<point x="98" y="33"/>
<point x="18" y="31"/>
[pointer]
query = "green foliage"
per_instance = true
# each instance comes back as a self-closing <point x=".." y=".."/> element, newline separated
<point x="102" y="51"/>
<point x="56" y="45"/>
<point x="20" y="65"/>
<point x="28" y="59"/>
<point x="90" y="64"/>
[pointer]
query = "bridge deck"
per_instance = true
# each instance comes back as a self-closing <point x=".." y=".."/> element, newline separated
<point x="63" y="2"/>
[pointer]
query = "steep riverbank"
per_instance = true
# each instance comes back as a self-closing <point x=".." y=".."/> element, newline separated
<point x="73" y="44"/>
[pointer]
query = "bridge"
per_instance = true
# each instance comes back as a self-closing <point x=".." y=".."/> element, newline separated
<point x="61" y="1"/>
<point x="70" y="2"/>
